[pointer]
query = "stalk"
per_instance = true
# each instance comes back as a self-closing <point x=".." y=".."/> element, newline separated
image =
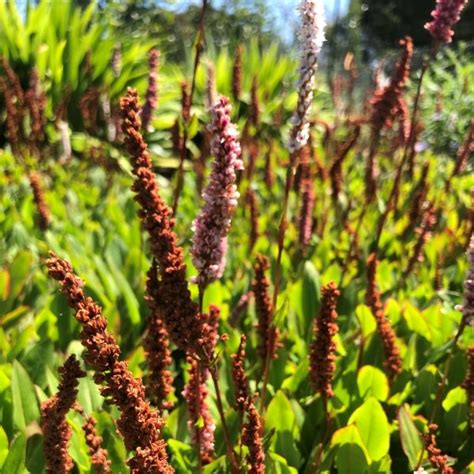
<point x="276" y="288"/>
<point x="212" y="366"/>
<point x="182" y="157"/>
<point x="228" y="443"/>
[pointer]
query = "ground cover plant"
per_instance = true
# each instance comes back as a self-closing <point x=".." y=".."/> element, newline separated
<point x="232" y="266"/>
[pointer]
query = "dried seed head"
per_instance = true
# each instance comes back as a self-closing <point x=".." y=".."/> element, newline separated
<point x="322" y="355"/>
<point x="151" y="97"/>
<point x="56" y="430"/>
<point x="178" y="311"/>
<point x="138" y="424"/>
<point x="393" y="361"/>
<point x="437" y="459"/>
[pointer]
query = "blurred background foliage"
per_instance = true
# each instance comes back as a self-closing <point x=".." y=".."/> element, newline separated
<point x="92" y="50"/>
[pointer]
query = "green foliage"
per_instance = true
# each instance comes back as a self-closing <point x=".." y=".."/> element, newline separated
<point x="373" y="423"/>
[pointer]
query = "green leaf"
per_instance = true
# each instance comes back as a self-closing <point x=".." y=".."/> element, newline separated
<point x="280" y="464"/>
<point x="20" y="271"/>
<point x="293" y="381"/>
<point x="35" y="453"/>
<point x="129" y="297"/>
<point x="4" y="284"/>
<point x="280" y="414"/>
<point x="77" y="445"/>
<point x="416" y="321"/>
<point x="456" y="396"/>
<point x="372" y="382"/>
<point x="351" y="454"/>
<point x="366" y="320"/>
<point x="89" y="396"/>
<point x="3" y="446"/>
<point x="15" y="461"/>
<point x="455" y="417"/>
<point x="25" y="405"/>
<point x="373" y="426"/>
<point x="310" y="294"/>
<point x="280" y="417"/>
<point x="409" y="436"/>
<point x="182" y="454"/>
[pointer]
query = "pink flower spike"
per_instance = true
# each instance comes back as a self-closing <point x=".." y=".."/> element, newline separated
<point x="209" y="244"/>
<point x="446" y="14"/>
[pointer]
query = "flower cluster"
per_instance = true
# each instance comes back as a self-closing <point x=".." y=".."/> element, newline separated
<point x="211" y="90"/>
<point x="386" y="101"/>
<point x="437" y="459"/>
<point x="195" y="391"/>
<point x="269" y="175"/>
<point x="139" y="425"/>
<point x="393" y="361"/>
<point x="178" y="311"/>
<point x="159" y="382"/>
<point x="251" y="199"/>
<point x="468" y="384"/>
<point x="241" y="384"/>
<point x="99" y="455"/>
<point x="423" y="232"/>
<point x="252" y="438"/>
<point x="116" y="61"/>
<point x="305" y="219"/>
<point x="35" y="99"/>
<point x="88" y="106"/>
<point x="200" y="422"/>
<point x="465" y="152"/>
<point x="419" y="197"/>
<point x="322" y="354"/>
<point x="44" y="218"/>
<point x="446" y="14"/>
<point x="56" y="430"/>
<point x="237" y="74"/>
<point x="151" y="98"/>
<point x="254" y="112"/>
<point x="342" y="150"/>
<point x="211" y="227"/>
<point x="467" y="306"/>
<point x="311" y="35"/>
<point x="268" y="334"/>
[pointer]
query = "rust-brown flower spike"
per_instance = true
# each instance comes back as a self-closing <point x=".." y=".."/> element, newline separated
<point x="437" y="459"/>
<point x="423" y="234"/>
<point x="179" y="312"/>
<point x="98" y="454"/>
<point x="253" y="207"/>
<point x="138" y="424"/>
<point x="393" y="362"/>
<point x="56" y="430"/>
<point x="239" y="377"/>
<point x="237" y="74"/>
<point x="268" y="334"/>
<point x="252" y="438"/>
<point x="468" y="384"/>
<point x="159" y="382"/>
<point x="322" y="354"/>
<point x="43" y="216"/>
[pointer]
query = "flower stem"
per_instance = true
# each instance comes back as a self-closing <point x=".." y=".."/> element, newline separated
<point x="276" y="287"/>
<point x="182" y="157"/>
<point x="228" y="443"/>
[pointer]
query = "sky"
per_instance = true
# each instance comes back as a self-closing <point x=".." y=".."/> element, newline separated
<point x="283" y="12"/>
